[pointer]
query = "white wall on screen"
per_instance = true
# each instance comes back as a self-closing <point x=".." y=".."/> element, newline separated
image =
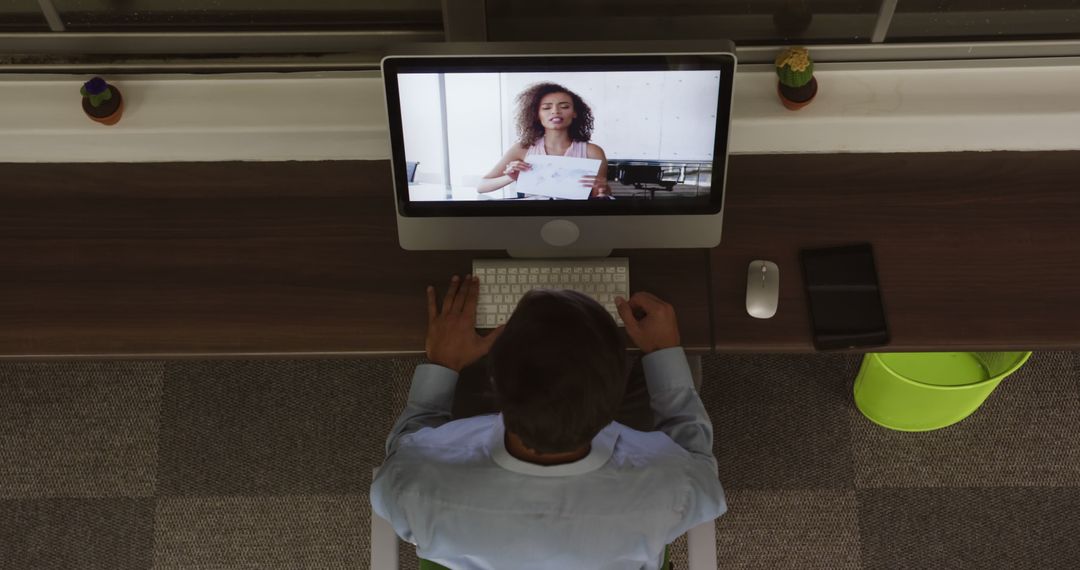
<point x="634" y="114"/>
<point x="659" y="116"/>
<point x="474" y="125"/>
<point x="688" y="125"/>
<point x="421" y="122"/>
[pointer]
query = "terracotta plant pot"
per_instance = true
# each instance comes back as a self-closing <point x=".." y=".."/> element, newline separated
<point x="109" y="112"/>
<point x="796" y="98"/>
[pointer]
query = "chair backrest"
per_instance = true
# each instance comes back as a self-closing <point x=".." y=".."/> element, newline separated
<point x="639" y="174"/>
<point x="384" y="540"/>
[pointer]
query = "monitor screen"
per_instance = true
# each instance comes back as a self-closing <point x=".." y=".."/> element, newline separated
<point x="559" y="135"/>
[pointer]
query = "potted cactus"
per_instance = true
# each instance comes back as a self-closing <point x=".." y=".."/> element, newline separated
<point x="797" y="86"/>
<point x="102" y="102"/>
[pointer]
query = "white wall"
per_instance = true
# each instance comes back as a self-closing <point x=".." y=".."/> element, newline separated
<point x="421" y="122"/>
<point x="637" y="115"/>
<point x="475" y="124"/>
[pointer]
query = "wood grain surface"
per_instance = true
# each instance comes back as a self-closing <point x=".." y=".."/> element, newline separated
<point x="179" y="259"/>
<point x="973" y="250"/>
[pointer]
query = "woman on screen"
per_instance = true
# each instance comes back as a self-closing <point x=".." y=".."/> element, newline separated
<point x="552" y="120"/>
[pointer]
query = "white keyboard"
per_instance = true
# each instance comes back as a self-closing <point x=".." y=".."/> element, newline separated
<point x="504" y="281"/>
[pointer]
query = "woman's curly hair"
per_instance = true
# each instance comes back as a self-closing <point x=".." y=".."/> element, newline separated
<point x="529" y="127"/>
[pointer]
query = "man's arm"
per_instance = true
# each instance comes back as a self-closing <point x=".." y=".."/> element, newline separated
<point x="452" y="344"/>
<point x="681" y="415"/>
<point x="651" y="324"/>
<point x="430" y="399"/>
<point x="676" y="404"/>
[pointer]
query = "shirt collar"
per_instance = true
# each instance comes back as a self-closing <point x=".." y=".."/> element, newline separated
<point x="603" y="445"/>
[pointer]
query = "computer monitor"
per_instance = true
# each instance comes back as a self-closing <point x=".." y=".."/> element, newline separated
<point x="572" y="111"/>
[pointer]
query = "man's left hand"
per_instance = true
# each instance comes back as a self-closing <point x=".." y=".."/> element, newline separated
<point x="452" y="340"/>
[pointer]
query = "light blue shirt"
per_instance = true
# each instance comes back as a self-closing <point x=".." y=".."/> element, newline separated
<point x="452" y="489"/>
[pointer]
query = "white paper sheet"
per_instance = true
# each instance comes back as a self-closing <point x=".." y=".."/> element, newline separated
<point x="557" y="176"/>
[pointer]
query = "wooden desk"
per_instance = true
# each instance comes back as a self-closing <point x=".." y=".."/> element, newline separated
<point x="237" y="258"/>
<point x="973" y="250"/>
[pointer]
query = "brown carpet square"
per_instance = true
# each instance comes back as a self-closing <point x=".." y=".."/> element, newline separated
<point x="326" y="532"/>
<point x="277" y="427"/>
<point x="797" y="529"/>
<point x="944" y="528"/>
<point x="780" y="421"/>
<point x="88" y="534"/>
<point x="79" y="429"/>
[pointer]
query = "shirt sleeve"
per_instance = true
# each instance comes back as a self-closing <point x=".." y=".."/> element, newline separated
<point x="681" y="415"/>
<point x="430" y="399"/>
<point x="679" y="411"/>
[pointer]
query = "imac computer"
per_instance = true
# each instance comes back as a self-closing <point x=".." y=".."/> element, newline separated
<point x="559" y="150"/>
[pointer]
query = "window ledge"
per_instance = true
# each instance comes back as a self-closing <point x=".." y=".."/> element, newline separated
<point x="884" y="107"/>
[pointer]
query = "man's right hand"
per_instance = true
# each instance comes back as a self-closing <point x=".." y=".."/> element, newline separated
<point x="656" y="329"/>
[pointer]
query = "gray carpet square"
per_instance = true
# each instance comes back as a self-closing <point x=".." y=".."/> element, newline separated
<point x="110" y="534"/>
<point x="277" y="427"/>
<point x="780" y="421"/>
<point x="1075" y="368"/>
<point x="325" y="532"/>
<point x="795" y="529"/>
<point x="1025" y="434"/>
<point x="79" y="429"/>
<point x="407" y="558"/>
<point x="1004" y="527"/>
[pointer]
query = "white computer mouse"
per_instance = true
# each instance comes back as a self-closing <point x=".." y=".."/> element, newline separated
<point x="762" y="288"/>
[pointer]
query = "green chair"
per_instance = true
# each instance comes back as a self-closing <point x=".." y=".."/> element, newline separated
<point x="429" y="565"/>
<point x="922" y="391"/>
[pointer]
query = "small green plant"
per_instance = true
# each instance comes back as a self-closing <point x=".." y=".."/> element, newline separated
<point x="794" y="67"/>
<point x="97" y="90"/>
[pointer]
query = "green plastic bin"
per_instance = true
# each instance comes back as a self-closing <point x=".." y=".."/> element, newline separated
<point x="922" y="391"/>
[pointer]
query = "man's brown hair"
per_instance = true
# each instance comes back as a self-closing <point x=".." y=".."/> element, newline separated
<point x="559" y="370"/>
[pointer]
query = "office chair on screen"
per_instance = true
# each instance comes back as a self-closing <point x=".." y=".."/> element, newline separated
<point x="650" y="178"/>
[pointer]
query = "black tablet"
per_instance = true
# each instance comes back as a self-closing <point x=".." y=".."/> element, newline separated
<point x="844" y="298"/>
